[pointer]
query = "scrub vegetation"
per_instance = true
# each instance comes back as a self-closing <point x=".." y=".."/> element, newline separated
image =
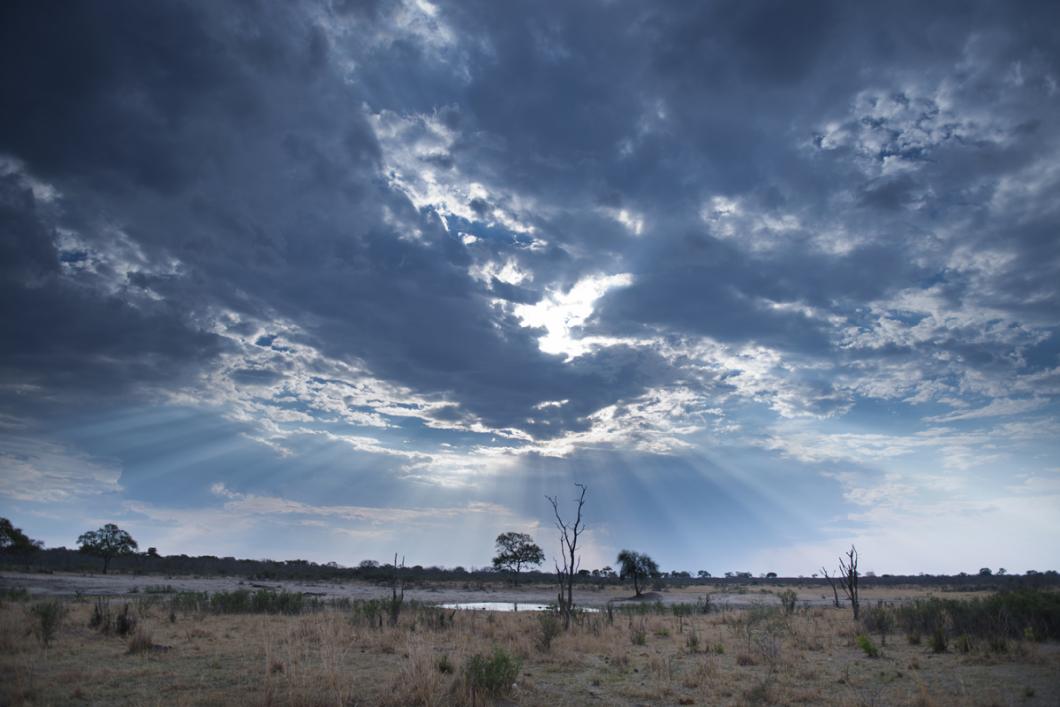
<point x="279" y="647"/>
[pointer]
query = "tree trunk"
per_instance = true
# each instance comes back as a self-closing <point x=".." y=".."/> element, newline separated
<point x="636" y="585"/>
<point x="106" y="563"/>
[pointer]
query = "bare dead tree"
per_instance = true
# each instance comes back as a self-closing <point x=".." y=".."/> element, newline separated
<point x="849" y="579"/>
<point x="835" y="588"/>
<point x="397" y="591"/>
<point x="568" y="537"/>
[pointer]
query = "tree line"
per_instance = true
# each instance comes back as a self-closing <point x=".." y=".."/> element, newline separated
<point x="518" y="557"/>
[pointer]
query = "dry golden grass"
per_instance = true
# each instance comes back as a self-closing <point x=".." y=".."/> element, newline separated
<point x="328" y="658"/>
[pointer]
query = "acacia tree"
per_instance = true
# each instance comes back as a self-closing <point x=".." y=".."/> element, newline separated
<point x="638" y="566"/>
<point x="568" y="537"/>
<point x="108" y="542"/>
<point x="14" y="542"/>
<point x="516" y="550"/>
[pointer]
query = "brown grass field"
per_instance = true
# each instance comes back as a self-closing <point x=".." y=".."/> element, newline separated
<point x="339" y="656"/>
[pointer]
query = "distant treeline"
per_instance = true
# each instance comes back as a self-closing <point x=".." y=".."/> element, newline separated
<point x="66" y="560"/>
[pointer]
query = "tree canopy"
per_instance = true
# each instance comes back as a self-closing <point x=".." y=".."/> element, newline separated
<point x="638" y="566"/>
<point x="515" y="551"/>
<point x="13" y="541"/>
<point x="107" y="542"/>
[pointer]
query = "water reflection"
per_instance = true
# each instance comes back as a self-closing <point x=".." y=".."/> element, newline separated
<point x="506" y="606"/>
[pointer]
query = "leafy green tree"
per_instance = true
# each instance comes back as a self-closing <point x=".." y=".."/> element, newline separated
<point x="108" y="542"/>
<point x="515" y="551"/>
<point x="638" y="566"/>
<point x="14" y="542"/>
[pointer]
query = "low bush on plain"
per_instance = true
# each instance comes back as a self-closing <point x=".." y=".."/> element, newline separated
<point x="788" y="599"/>
<point x="101" y="618"/>
<point x="140" y="642"/>
<point x="124" y="622"/>
<point x="263" y="601"/>
<point x="549" y="627"/>
<point x="865" y="643"/>
<point x="491" y="677"/>
<point x="1021" y="614"/>
<point x="14" y="594"/>
<point x="878" y="620"/>
<point x="49" y="617"/>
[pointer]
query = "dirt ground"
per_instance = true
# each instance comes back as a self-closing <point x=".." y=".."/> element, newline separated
<point x="338" y="656"/>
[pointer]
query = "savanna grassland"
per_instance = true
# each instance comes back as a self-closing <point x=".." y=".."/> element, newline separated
<point x="266" y="647"/>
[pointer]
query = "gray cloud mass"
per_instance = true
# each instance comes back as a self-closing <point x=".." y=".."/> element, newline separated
<point x="813" y="203"/>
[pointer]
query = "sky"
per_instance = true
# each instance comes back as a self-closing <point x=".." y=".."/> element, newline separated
<point x="346" y="279"/>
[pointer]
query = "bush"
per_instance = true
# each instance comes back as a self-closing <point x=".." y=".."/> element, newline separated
<point x="140" y="642"/>
<point x="865" y="643"/>
<point x="49" y="615"/>
<point x="14" y="594"/>
<point x="788" y="599"/>
<point x="879" y="620"/>
<point x="435" y="617"/>
<point x="189" y="602"/>
<point x="939" y="643"/>
<point x="549" y="627"/>
<point x="125" y="623"/>
<point x="1020" y="614"/>
<point x="492" y="677"/>
<point x="263" y="601"/>
<point x="101" y="618"/>
<point x="638" y="635"/>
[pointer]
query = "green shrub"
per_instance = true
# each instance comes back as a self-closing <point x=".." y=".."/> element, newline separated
<point x="939" y="643"/>
<point x="14" y="594"/>
<point x="491" y="677"/>
<point x="140" y="642"/>
<point x="369" y="612"/>
<point x="1015" y="614"/>
<point x="788" y="599"/>
<point x="49" y="616"/>
<point x="548" y="628"/>
<point x="435" y="617"/>
<point x="878" y="620"/>
<point x="125" y="623"/>
<point x="865" y="643"/>
<point x="263" y="601"/>
<point x="101" y="618"/>
<point x="638" y="635"/>
<point x="189" y="602"/>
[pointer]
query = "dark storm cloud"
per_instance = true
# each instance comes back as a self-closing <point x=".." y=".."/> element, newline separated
<point x="239" y="141"/>
<point x="58" y="338"/>
<point x="213" y="136"/>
